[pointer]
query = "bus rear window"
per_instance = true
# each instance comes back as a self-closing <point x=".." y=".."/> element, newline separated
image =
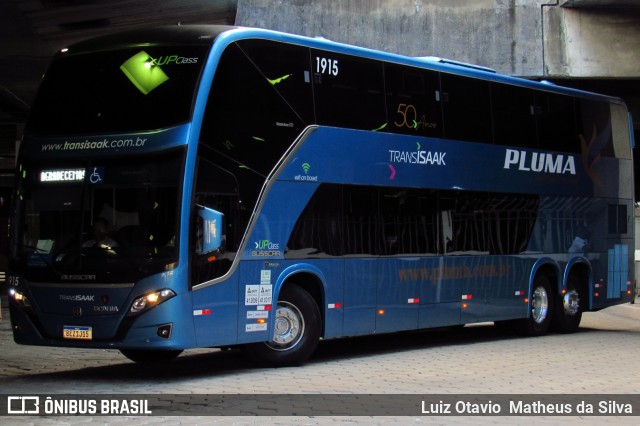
<point x="140" y="88"/>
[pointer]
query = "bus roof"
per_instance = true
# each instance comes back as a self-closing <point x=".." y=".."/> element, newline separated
<point x="196" y="35"/>
<point x="203" y="35"/>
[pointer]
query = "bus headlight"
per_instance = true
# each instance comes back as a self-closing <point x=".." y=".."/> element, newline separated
<point x="149" y="301"/>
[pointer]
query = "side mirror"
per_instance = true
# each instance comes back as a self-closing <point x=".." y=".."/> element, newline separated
<point x="209" y="230"/>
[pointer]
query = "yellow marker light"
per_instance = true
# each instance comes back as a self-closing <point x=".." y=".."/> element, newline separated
<point x="380" y="311"/>
<point x="20" y="298"/>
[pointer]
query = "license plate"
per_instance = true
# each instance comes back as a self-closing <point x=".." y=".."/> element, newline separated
<point x="77" y="332"/>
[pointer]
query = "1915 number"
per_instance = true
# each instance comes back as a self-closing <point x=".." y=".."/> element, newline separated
<point x="326" y="66"/>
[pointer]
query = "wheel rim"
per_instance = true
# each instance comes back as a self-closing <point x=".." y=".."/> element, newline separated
<point x="571" y="302"/>
<point x="288" y="328"/>
<point x="539" y="305"/>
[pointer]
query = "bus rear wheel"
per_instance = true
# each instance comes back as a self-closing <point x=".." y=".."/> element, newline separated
<point x="296" y="331"/>
<point x="568" y="309"/>
<point x="149" y="356"/>
<point x="541" y="309"/>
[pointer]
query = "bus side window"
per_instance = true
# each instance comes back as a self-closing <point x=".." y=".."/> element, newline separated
<point x="216" y="190"/>
<point x="349" y="91"/>
<point x="513" y="116"/>
<point x="413" y="101"/>
<point x="286" y="68"/>
<point x="246" y="118"/>
<point x="556" y="122"/>
<point x="594" y="127"/>
<point x="466" y="106"/>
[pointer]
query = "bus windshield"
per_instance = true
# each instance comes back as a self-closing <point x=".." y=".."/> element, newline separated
<point x="140" y="88"/>
<point x="107" y="221"/>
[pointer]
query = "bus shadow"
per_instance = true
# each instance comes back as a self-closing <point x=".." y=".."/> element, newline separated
<point x="372" y="345"/>
<point x="217" y="363"/>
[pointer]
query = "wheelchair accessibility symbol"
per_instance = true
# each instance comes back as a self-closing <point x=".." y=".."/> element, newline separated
<point x="97" y="176"/>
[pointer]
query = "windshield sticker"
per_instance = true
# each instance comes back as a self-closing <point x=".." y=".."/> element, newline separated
<point x="255" y="327"/>
<point x="279" y="80"/>
<point x="144" y="72"/>
<point x="258" y="294"/>
<point x="266" y="292"/>
<point x="251" y="295"/>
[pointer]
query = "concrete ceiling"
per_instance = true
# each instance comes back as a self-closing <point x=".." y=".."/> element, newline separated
<point x="31" y="31"/>
<point x="600" y="3"/>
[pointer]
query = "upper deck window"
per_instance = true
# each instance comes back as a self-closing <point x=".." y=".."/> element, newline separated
<point x="348" y="91"/>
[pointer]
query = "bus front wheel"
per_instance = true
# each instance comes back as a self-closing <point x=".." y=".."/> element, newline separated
<point x="296" y="331"/>
<point x="541" y="309"/>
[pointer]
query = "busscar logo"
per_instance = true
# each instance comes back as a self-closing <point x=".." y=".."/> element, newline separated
<point x="78" y="277"/>
<point x="266" y="248"/>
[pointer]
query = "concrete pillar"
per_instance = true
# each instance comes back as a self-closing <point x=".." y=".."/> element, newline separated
<point x="591" y="42"/>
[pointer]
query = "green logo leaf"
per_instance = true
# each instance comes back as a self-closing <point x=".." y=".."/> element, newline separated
<point x="142" y="71"/>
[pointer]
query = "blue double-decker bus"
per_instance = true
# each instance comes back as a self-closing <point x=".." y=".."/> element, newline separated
<point x="206" y="186"/>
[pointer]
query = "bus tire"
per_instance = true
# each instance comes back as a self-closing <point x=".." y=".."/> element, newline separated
<point x="296" y="331"/>
<point x="541" y="312"/>
<point x="568" y="310"/>
<point x="150" y="356"/>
